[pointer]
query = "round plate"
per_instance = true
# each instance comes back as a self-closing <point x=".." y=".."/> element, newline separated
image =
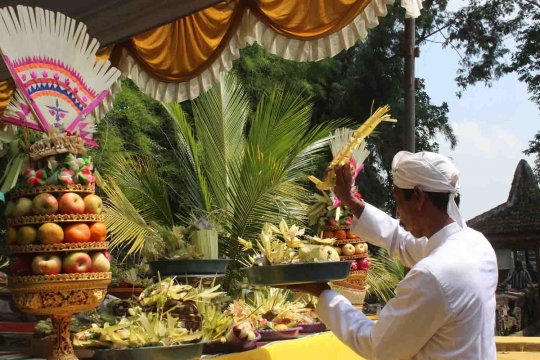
<point x="274" y="335"/>
<point x="229" y="347"/>
<point x="290" y="274"/>
<point x="353" y="257"/>
<point x="348" y="241"/>
<point x="188" y="267"/>
<point x="39" y="248"/>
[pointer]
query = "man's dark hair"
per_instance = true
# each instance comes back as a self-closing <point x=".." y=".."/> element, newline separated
<point x="439" y="199"/>
<point x="518" y="264"/>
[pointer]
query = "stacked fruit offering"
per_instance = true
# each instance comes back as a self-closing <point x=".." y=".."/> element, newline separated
<point x="352" y="248"/>
<point x="56" y="228"/>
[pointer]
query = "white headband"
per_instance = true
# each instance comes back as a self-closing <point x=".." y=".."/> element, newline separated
<point x="431" y="172"/>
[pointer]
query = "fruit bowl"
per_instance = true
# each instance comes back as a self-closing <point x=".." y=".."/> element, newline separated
<point x="312" y="328"/>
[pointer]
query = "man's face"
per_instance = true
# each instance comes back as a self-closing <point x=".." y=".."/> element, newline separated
<point x="408" y="212"/>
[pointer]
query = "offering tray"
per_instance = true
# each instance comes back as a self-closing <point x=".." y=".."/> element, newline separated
<point x="36" y="248"/>
<point x="59" y="296"/>
<point x="175" y="352"/>
<point x="54" y="189"/>
<point x="301" y="273"/>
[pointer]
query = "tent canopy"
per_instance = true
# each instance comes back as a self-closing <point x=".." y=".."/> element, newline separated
<point x="201" y="38"/>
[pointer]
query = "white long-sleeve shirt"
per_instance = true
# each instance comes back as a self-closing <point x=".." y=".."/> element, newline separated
<point x="443" y="309"/>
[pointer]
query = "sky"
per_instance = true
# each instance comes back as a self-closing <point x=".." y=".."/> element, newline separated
<point x="493" y="127"/>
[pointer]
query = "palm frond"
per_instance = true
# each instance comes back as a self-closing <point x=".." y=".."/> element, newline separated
<point x="384" y="275"/>
<point x="140" y="181"/>
<point x="220" y="118"/>
<point x="196" y="184"/>
<point x="124" y="222"/>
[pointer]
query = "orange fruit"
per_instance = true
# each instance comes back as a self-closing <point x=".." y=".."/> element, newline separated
<point x="77" y="233"/>
<point x="50" y="233"/>
<point x="351" y="235"/>
<point x="11" y="236"/>
<point x="340" y="234"/>
<point x="98" y="232"/>
<point x="327" y="234"/>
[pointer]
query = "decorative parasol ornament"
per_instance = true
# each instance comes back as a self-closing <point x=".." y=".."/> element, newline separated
<point x="53" y="61"/>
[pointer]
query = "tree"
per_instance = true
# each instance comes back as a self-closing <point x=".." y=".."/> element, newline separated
<point x="498" y="37"/>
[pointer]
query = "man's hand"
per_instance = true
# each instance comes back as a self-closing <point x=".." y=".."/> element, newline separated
<point x="344" y="190"/>
<point x="315" y="289"/>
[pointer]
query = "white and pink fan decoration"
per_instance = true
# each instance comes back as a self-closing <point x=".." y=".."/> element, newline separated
<point x="53" y="62"/>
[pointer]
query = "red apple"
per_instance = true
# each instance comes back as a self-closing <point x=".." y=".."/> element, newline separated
<point x="44" y="204"/>
<point x="93" y="204"/>
<point x="23" y="207"/>
<point x="71" y="203"/>
<point x="100" y="262"/>
<point x="77" y="262"/>
<point x="22" y="265"/>
<point x="47" y="264"/>
<point x="364" y="264"/>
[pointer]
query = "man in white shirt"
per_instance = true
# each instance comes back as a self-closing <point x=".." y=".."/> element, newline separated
<point x="444" y="308"/>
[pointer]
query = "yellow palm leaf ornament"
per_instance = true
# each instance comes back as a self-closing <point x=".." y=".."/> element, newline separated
<point x="344" y="155"/>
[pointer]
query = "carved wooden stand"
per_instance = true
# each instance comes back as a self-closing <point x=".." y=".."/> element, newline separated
<point x="62" y="348"/>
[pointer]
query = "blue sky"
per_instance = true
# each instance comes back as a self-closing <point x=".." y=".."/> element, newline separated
<point x="493" y="126"/>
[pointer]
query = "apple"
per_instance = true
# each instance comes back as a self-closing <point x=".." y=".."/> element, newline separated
<point x="44" y="204"/>
<point x="11" y="236"/>
<point x="23" y="207"/>
<point x="26" y="235"/>
<point x="100" y="262"/>
<point x="76" y="263"/>
<point x="360" y="248"/>
<point x="93" y="204"/>
<point x="47" y="264"/>
<point x="22" y="265"/>
<point x="348" y="249"/>
<point x="363" y="264"/>
<point x="10" y="208"/>
<point x="71" y="203"/>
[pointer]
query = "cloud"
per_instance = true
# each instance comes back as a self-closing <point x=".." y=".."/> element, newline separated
<point x="487" y="157"/>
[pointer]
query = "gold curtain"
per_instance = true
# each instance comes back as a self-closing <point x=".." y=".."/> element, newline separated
<point x="182" y="50"/>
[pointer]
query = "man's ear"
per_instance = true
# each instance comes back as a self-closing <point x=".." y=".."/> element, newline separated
<point x="420" y="197"/>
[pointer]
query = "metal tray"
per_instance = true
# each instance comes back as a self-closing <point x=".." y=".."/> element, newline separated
<point x="188" y="267"/>
<point x="176" y="352"/>
<point x="303" y="273"/>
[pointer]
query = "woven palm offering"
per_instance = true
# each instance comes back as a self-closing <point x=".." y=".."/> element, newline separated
<point x="335" y="220"/>
<point x="55" y="236"/>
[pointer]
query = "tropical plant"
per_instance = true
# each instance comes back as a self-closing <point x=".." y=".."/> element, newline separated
<point x="384" y="275"/>
<point x="252" y="165"/>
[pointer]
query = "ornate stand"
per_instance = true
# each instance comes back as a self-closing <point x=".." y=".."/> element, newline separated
<point x="59" y="296"/>
<point x="62" y="349"/>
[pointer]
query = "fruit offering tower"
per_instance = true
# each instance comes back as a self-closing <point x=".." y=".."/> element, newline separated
<point x="55" y="236"/>
<point x="335" y="222"/>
